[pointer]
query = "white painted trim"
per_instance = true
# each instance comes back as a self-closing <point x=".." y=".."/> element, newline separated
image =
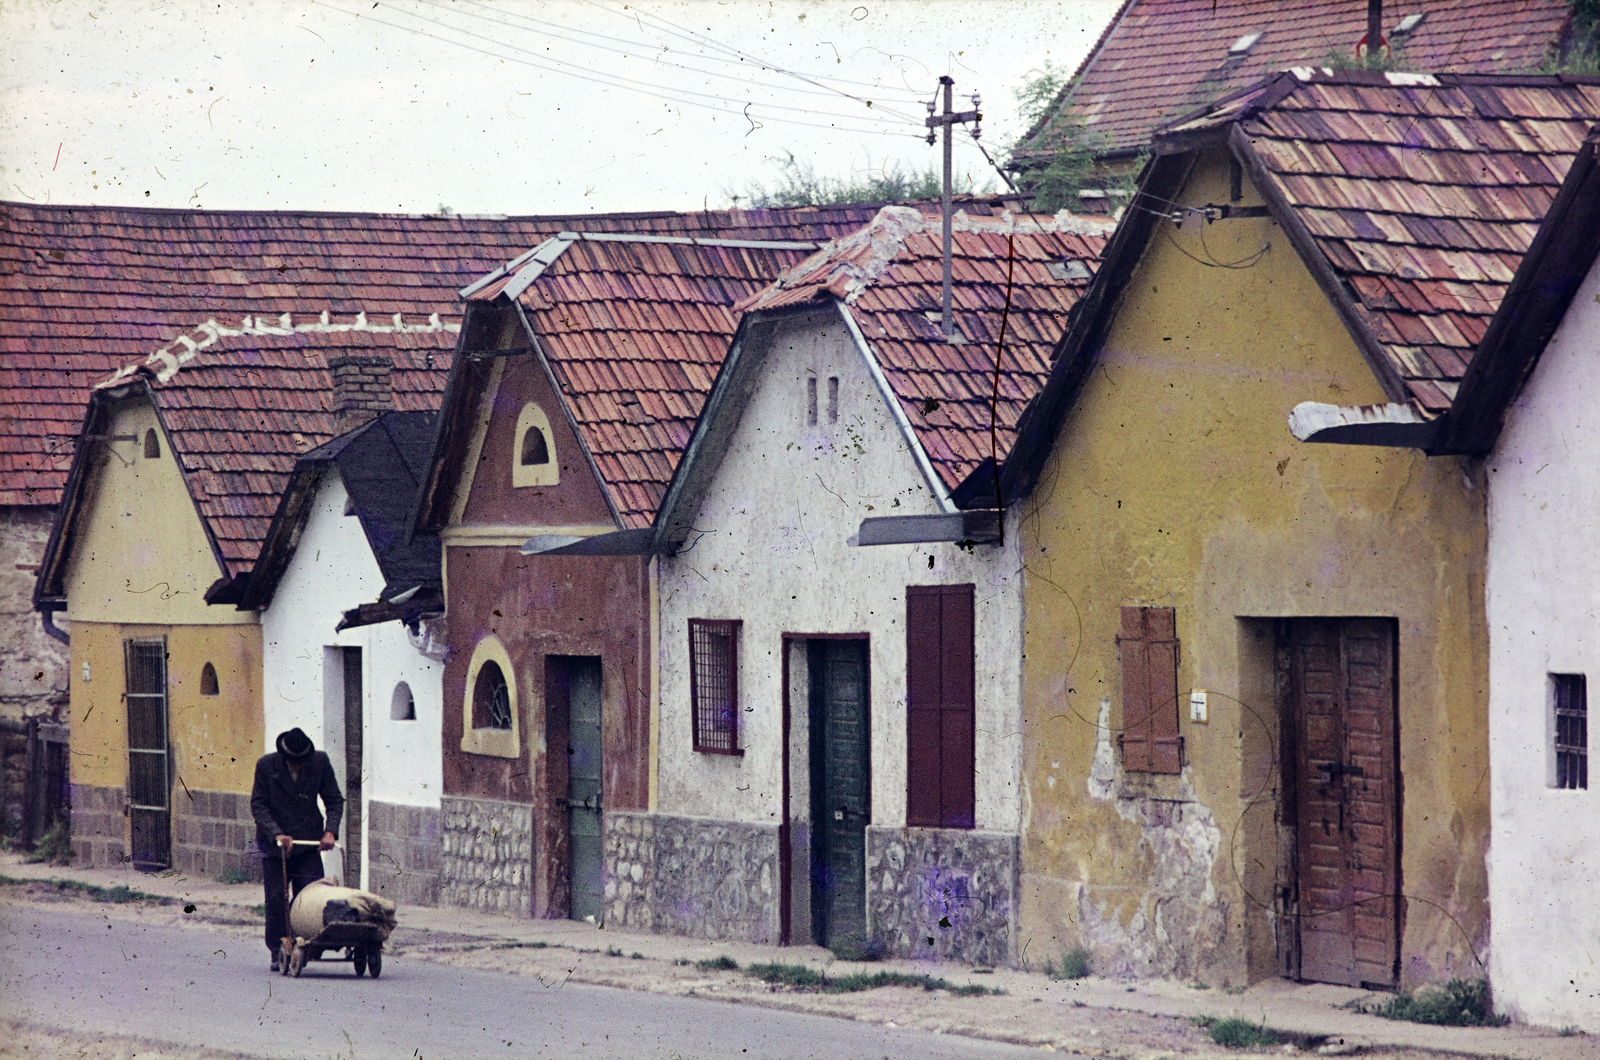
<point x="533" y="418"/>
<point x="478" y="536"/>
<point x="929" y="475"/>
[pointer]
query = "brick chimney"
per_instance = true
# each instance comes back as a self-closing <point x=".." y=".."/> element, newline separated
<point x="361" y="390"/>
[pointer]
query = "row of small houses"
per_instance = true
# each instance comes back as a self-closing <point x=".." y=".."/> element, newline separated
<point x="1215" y="595"/>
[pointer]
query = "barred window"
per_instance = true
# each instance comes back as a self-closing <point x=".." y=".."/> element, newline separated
<point x="1571" y="697"/>
<point x="491" y="699"/>
<point x="714" y="684"/>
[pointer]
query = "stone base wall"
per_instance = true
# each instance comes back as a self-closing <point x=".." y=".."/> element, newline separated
<point x="99" y="829"/>
<point x="403" y="847"/>
<point x="486" y="855"/>
<point x="946" y="893"/>
<point x="694" y="876"/>
<point x="213" y="835"/>
<point x="33" y="667"/>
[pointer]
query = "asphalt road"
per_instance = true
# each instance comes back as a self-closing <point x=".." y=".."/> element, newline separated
<point x="80" y="972"/>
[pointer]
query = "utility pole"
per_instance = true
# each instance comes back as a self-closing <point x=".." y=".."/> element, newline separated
<point x="948" y="120"/>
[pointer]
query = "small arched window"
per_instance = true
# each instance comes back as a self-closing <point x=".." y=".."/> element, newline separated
<point x="402" y="707"/>
<point x="491" y="699"/>
<point x="152" y="444"/>
<point x="534" y="458"/>
<point x="208" y="678"/>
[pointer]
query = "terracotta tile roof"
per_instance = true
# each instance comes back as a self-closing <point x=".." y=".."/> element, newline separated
<point x="241" y="410"/>
<point x="889" y="275"/>
<point x="1161" y="58"/>
<point x="1423" y="193"/>
<point x="87" y="289"/>
<point x="636" y="329"/>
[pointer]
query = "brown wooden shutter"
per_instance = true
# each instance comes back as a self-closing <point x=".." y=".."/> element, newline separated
<point x="1147" y="648"/>
<point x="940" y="761"/>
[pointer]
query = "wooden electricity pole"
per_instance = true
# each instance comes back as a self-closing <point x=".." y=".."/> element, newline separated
<point x="948" y="120"/>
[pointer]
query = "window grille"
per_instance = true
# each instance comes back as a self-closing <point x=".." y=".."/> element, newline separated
<point x="714" y="684"/>
<point x="491" y="698"/>
<point x="1571" y="730"/>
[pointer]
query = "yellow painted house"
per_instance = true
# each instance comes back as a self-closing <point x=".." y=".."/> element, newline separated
<point x="175" y="479"/>
<point x="1256" y="669"/>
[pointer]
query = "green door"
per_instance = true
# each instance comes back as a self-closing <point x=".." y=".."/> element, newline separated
<point x="583" y="789"/>
<point x="841" y="790"/>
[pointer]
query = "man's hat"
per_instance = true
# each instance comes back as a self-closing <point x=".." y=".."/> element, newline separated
<point x="295" y="746"/>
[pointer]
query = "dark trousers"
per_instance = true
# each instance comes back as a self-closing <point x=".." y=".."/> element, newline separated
<point x="305" y="865"/>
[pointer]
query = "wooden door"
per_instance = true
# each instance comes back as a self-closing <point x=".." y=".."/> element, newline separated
<point x="149" y="779"/>
<point x="353" y="730"/>
<point x="841" y="789"/>
<point x="1344" y="784"/>
<point x="584" y="852"/>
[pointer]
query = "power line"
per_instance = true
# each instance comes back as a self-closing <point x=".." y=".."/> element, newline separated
<point x="680" y="31"/>
<point x="626" y="81"/>
<point x="673" y="99"/>
<point x="642" y="50"/>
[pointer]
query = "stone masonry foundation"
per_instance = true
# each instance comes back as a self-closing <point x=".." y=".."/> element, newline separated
<point x="694" y="876"/>
<point x="486" y="855"/>
<point x="404" y="845"/>
<point x="213" y="835"/>
<point x="99" y="829"/>
<point x="946" y="893"/>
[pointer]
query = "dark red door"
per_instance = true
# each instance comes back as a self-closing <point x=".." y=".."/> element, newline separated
<point x="1344" y="786"/>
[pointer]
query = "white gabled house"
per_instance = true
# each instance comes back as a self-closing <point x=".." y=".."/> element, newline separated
<point x="840" y="739"/>
<point x="346" y="602"/>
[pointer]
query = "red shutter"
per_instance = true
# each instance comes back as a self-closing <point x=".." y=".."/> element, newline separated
<point x="1147" y="648"/>
<point x="940" y="759"/>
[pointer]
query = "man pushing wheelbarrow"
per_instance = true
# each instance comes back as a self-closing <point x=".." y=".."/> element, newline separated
<point x="283" y="801"/>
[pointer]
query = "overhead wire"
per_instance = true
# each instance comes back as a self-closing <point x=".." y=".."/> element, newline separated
<point x="629" y="81"/>
<point x="731" y="108"/>
<point x="643" y="50"/>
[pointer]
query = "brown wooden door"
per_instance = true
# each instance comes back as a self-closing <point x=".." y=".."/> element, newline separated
<point x="1344" y="783"/>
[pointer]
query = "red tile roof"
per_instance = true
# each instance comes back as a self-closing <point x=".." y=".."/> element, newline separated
<point x="1021" y="273"/>
<point x="86" y="289"/>
<point x="1423" y="193"/>
<point x="241" y="409"/>
<point x="635" y="331"/>
<point x="1161" y="58"/>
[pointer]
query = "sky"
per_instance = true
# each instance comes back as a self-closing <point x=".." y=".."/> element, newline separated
<point x="510" y="107"/>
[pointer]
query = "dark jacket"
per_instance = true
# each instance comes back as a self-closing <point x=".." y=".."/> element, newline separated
<point x="285" y="805"/>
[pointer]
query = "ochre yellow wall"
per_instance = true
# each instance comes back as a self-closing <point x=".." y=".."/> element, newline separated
<point x="214" y="740"/>
<point x="139" y="569"/>
<point x="1175" y="482"/>
<point x="141" y="553"/>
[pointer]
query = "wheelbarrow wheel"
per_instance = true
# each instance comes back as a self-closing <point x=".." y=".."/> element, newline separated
<point x="375" y="959"/>
<point x="360" y="960"/>
<point x="297" y="961"/>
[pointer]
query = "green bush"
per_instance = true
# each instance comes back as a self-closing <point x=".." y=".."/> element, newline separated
<point x="722" y="963"/>
<point x="233" y="875"/>
<point x="787" y="974"/>
<point x="1074" y="965"/>
<point x="1236" y="1032"/>
<point x="52" y="848"/>
<point x="1458" y="1003"/>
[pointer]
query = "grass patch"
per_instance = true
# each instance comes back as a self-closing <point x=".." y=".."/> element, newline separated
<point x="612" y="951"/>
<point x="52" y="848"/>
<point x="799" y="977"/>
<point x="1236" y="1032"/>
<point x="1458" y="1003"/>
<point x="259" y="910"/>
<point x="233" y="875"/>
<point x="722" y="963"/>
<point x="636" y="956"/>
<point x="118" y="895"/>
<point x="1074" y="965"/>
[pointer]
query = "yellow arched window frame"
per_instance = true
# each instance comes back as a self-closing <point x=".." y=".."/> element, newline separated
<point x="533" y="456"/>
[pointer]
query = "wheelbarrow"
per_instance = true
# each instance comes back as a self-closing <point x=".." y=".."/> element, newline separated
<point x="325" y="917"/>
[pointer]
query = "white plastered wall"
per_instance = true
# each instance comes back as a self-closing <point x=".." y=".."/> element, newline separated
<point x="1543" y="603"/>
<point x="773" y="553"/>
<point x="333" y="570"/>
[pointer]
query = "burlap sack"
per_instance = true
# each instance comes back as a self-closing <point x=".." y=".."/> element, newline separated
<point x="324" y="902"/>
